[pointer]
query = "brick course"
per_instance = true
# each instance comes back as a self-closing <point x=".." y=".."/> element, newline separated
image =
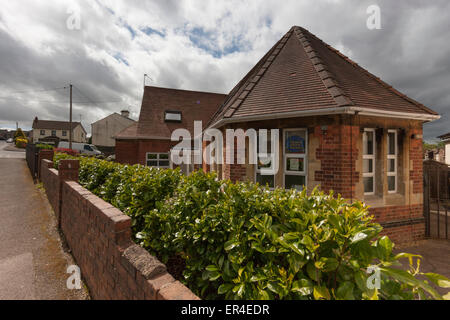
<point x="99" y="237"/>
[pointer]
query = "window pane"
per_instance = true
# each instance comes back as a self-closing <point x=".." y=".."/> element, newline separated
<point x="152" y="163"/>
<point x="164" y="163"/>
<point x="151" y="156"/>
<point x="295" y="164"/>
<point x="265" y="180"/>
<point x="368" y="185"/>
<point x="391" y="143"/>
<point x="391" y="183"/>
<point x="295" y="142"/>
<point x="294" y="182"/>
<point x="367" y="165"/>
<point x="173" y="116"/>
<point x="164" y="156"/>
<point x="391" y="165"/>
<point x="264" y="162"/>
<point x="368" y="142"/>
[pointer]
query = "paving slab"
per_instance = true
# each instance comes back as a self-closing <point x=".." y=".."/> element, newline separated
<point x="33" y="262"/>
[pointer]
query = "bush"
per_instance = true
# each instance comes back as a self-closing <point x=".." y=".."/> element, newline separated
<point x="241" y="241"/>
<point x="67" y="151"/>
<point x="44" y="146"/>
<point x="21" y="143"/>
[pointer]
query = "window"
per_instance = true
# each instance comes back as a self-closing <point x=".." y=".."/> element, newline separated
<point x="392" y="158"/>
<point x="265" y="162"/>
<point x="64" y="133"/>
<point x="42" y="132"/>
<point x="369" y="161"/>
<point x="53" y="133"/>
<point x="295" y="151"/>
<point x="172" y="116"/>
<point x="88" y="147"/>
<point x="158" y="160"/>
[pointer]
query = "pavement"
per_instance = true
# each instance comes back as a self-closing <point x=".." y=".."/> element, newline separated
<point x="436" y="258"/>
<point x="5" y="151"/>
<point x="33" y="262"/>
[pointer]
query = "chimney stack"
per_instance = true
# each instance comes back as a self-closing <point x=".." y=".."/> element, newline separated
<point x="125" y="113"/>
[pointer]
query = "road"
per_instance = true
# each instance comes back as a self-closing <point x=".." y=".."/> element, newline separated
<point x="33" y="263"/>
<point x="10" y="154"/>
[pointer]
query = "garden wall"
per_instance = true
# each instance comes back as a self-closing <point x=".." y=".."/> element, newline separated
<point x="99" y="236"/>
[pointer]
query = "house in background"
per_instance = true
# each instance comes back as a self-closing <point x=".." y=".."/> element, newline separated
<point x="104" y="130"/>
<point x="446" y="139"/>
<point x="55" y="131"/>
<point x="341" y="128"/>
<point x="436" y="154"/>
<point x="148" y="141"/>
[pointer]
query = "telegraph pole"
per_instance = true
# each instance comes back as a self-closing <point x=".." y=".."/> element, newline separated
<point x="70" y="126"/>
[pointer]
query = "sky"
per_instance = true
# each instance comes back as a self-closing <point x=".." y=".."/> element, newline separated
<point x="104" y="48"/>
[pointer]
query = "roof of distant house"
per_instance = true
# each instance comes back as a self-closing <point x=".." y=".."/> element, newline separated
<point x="54" y="125"/>
<point x="190" y="106"/>
<point x="445" y="136"/>
<point x="302" y="75"/>
<point x="115" y="114"/>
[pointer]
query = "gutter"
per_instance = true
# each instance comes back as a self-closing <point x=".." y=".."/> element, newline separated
<point x="329" y="111"/>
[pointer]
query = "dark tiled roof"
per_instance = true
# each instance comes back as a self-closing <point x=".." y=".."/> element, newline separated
<point x="54" y="125"/>
<point x="302" y="73"/>
<point x="445" y="136"/>
<point x="193" y="106"/>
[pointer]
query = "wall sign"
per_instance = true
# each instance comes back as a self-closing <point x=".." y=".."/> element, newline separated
<point x="295" y="143"/>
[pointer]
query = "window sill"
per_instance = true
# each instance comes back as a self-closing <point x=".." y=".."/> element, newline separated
<point x="374" y="200"/>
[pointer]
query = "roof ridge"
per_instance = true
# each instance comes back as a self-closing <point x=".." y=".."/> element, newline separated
<point x="369" y="74"/>
<point x="327" y="77"/>
<point x="246" y="85"/>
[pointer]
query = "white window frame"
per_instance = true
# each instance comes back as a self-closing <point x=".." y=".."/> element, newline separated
<point x="392" y="157"/>
<point x="257" y="170"/>
<point x="157" y="159"/>
<point x="295" y="156"/>
<point x="370" y="157"/>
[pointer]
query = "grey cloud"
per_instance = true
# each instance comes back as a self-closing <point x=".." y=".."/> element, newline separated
<point x="410" y="52"/>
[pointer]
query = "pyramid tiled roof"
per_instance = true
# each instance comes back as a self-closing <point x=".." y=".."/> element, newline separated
<point x="301" y="75"/>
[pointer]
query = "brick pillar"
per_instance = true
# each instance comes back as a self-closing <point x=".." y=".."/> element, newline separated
<point x="416" y="158"/>
<point x="43" y="154"/>
<point x="68" y="171"/>
<point x="338" y="153"/>
<point x="234" y="172"/>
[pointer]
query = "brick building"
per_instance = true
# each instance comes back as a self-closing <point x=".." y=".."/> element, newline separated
<point x="148" y="142"/>
<point x="341" y="128"/>
<point x="445" y="156"/>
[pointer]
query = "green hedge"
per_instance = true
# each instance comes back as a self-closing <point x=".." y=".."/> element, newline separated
<point x="242" y="241"/>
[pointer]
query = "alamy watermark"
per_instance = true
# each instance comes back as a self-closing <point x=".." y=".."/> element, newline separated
<point x="73" y="22"/>
<point x="74" y="280"/>
<point x="374" y="20"/>
<point x="218" y="150"/>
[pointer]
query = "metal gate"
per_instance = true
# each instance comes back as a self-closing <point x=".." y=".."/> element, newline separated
<point x="436" y="200"/>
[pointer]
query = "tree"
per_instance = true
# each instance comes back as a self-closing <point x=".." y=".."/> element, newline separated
<point x="19" y="134"/>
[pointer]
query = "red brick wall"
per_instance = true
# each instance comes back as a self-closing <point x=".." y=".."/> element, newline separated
<point x="416" y="156"/>
<point x="234" y="172"/>
<point x="127" y="151"/>
<point x="134" y="151"/>
<point x="403" y="224"/>
<point x="50" y="179"/>
<point x="99" y="236"/>
<point x="338" y="153"/>
<point x="405" y="235"/>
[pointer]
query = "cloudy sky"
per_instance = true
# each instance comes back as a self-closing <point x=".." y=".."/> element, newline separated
<point x="201" y="45"/>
